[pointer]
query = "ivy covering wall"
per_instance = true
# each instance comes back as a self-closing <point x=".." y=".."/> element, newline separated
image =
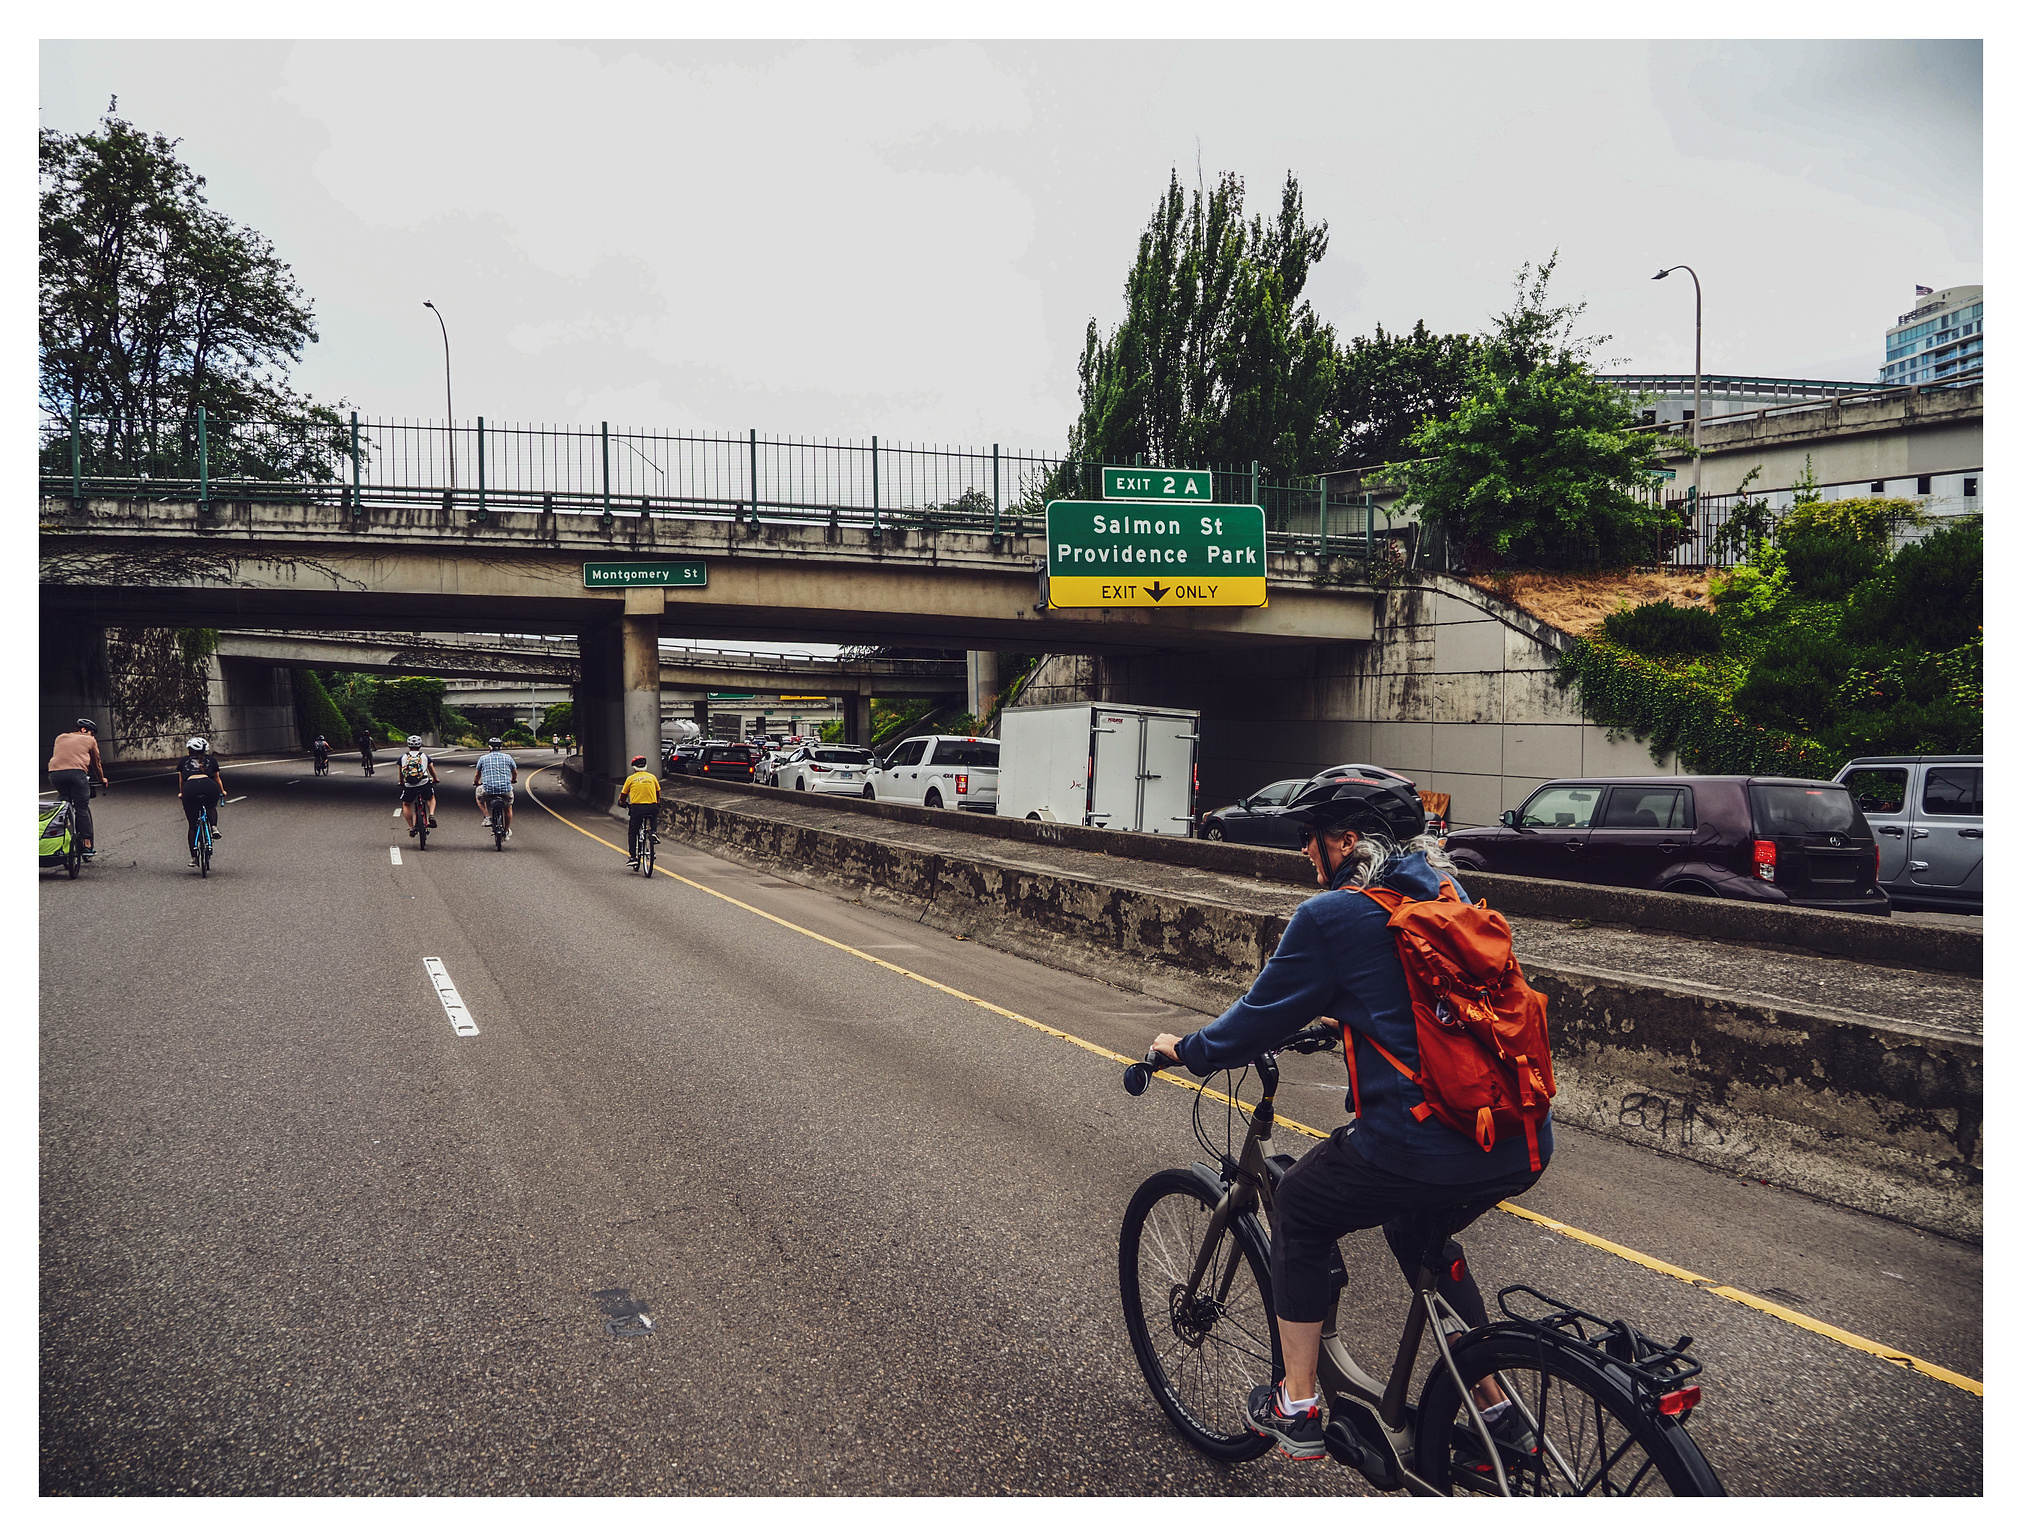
<point x="1828" y="648"/>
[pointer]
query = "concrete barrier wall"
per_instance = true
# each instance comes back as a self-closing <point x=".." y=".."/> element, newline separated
<point x="1882" y="1120"/>
<point x="1873" y="940"/>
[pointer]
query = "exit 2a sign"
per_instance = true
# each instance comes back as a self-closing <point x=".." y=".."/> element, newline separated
<point x="1156" y="484"/>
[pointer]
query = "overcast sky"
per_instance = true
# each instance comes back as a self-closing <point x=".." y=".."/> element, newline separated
<point x="910" y="239"/>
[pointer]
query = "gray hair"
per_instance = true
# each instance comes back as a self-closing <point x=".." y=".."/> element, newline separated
<point x="1373" y="851"/>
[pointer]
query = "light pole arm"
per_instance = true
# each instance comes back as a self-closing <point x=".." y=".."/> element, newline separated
<point x="448" y="401"/>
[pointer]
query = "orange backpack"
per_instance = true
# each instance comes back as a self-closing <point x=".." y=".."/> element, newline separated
<point x="1484" y="1059"/>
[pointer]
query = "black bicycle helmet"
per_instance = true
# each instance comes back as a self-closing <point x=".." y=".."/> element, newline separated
<point x="86" y="725"/>
<point x="1364" y="805"/>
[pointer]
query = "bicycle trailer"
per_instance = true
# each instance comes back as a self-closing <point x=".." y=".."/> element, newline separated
<point x="56" y="830"/>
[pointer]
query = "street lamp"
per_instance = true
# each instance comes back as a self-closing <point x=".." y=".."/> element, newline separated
<point x="1696" y="308"/>
<point x="448" y="404"/>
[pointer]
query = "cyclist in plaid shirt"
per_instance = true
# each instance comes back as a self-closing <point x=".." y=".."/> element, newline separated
<point x="496" y="775"/>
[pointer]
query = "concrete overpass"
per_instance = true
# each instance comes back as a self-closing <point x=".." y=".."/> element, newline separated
<point x="526" y="673"/>
<point x="1895" y="436"/>
<point x="313" y="566"/>
<point x="524" y="658"/>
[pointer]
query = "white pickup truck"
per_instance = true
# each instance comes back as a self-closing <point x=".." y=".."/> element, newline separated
<point x="957" y="773"/>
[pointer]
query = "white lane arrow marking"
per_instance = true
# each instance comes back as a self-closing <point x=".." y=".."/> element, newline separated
<point x="452" y="1003"/>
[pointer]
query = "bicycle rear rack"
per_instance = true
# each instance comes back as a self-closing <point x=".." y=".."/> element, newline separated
<point x="1655" y="1371"/>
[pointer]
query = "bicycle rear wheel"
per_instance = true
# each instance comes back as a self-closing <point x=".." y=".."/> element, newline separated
<point x="646" y="851"/>
<point x="498" y="831"/>
<point x="1594" y="1439"/>
<point x="420" y="826"/>
<point x="204" y="850"/>
<point x="1201" y="1353"/>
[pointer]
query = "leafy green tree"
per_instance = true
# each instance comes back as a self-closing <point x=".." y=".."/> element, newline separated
<point x="316" y="711"/>
<point x="151" y="303"/>
<point x="1538" y="465"/>
<point x="413" y="703"/>
<point x="1219" y="359"/>
<point x="1385" y="385"/>
<point x="558" y="718"/>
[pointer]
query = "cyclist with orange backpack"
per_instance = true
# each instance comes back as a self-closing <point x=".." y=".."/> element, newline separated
<point x="1402" y="1163"/>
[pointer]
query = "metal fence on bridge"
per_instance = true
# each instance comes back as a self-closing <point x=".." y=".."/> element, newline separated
<point x="482" y="466"/>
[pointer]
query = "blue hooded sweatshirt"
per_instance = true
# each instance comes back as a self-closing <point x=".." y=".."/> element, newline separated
<point x="1338" y="958"/>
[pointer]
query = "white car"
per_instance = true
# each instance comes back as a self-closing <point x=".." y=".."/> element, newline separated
<point x="824" y="770"/>
<point x="956" y="773"/>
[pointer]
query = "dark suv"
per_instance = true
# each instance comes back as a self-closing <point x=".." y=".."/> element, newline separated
<point x="1795" y="842"/>
<point x="727" y="760"/>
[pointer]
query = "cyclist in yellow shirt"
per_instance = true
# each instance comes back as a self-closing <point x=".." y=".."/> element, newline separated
<point x="640" y="791"/>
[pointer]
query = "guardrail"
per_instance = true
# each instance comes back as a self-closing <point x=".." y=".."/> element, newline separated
<point x="484" y="468"/>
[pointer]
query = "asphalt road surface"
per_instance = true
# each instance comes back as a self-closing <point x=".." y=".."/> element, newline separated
<point x="300" y="1235"/>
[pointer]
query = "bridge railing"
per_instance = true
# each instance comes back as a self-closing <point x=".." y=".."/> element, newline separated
<point x="481" y="466"/>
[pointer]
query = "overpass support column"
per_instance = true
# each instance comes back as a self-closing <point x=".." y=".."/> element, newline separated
<point x="857" y="718"/>
<point x="982" y="682"/>
<point x="644" y="607"/>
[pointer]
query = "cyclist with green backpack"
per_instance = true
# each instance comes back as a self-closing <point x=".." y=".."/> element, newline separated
<point x="1397" y="1165"/>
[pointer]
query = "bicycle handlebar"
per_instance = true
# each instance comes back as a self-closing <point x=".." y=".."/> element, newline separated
<point x="1137" y="1076"/>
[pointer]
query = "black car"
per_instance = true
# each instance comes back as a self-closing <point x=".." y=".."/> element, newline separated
<point x="1253" y="819"/>
<point x="1791" y="842"/>
<point x="686" y="756"/>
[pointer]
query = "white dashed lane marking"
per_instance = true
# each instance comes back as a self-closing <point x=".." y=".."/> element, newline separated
<point x="396" y="854"/>
<point x="445" y="989"/>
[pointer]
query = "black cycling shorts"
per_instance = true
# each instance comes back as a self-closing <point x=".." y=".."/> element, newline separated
<point x="425" y="790"/>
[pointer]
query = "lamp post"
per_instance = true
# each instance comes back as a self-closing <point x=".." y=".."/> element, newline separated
<point x="1696" y="312"/>
<point x="448" y="404"/>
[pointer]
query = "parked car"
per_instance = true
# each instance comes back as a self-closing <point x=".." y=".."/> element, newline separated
<point x="1792" y="842"/>
<point x="951" y="772"/>
<point x="1926" y="816"/>
<point x="1254" y="819"/>
<point x="825" y="770"/>
<point x="736" y="761"/>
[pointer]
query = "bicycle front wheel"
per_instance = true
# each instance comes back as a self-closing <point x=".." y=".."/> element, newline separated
<point x="1201" y="1351"/>
<point x="1593" y="1439"/>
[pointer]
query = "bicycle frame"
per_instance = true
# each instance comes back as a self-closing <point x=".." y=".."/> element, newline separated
<point x="1248" y="1181"/>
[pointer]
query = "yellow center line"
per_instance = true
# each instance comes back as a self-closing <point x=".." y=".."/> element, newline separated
<point x="1659" y="1266"/>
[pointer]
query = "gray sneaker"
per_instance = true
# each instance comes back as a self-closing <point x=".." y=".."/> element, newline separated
<point x="1299" y="1436"/>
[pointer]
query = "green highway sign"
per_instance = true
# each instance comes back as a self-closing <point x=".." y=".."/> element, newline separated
<point x="721" y="698"/>
<point x="1156" y="484"/>
<point x="647" y="573"/>
<point x="1102" y="554"/>
<point x="1665" y="474"/>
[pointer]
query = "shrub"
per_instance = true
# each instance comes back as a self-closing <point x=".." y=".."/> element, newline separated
<point x="315" y="711"/>
<point x="1822" y="567"/>
<point x="1664" y="629"/>
<point x="1929" y="596"/>
<point x="1794" y="686"/>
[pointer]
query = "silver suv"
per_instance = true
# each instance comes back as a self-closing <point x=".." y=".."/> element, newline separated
<point x="1926" y="816"/>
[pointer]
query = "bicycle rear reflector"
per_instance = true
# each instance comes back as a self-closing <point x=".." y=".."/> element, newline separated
<point x="1671" y="1404"/>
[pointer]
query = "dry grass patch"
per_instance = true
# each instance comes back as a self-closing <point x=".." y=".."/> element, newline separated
<point x="1577" y="604"/>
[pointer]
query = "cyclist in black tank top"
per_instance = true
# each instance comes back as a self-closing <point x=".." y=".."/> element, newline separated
<point x="201" y="786"/>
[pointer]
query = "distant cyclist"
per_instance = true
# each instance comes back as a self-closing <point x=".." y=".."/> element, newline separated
<point x="640" y="791"/>
<point x="362" y="740"/>
<point x="73" y="761"/>
<point x="200" y="785"/>
<point x="320" y="749"/>
<point x="418" y="779"/>
<point x="496" y="774"/>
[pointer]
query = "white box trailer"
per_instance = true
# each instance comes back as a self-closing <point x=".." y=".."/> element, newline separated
<point x="1128" y="767"/>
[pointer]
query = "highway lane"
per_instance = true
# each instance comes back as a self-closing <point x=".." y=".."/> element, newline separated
<point x="298" y="1235"/>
